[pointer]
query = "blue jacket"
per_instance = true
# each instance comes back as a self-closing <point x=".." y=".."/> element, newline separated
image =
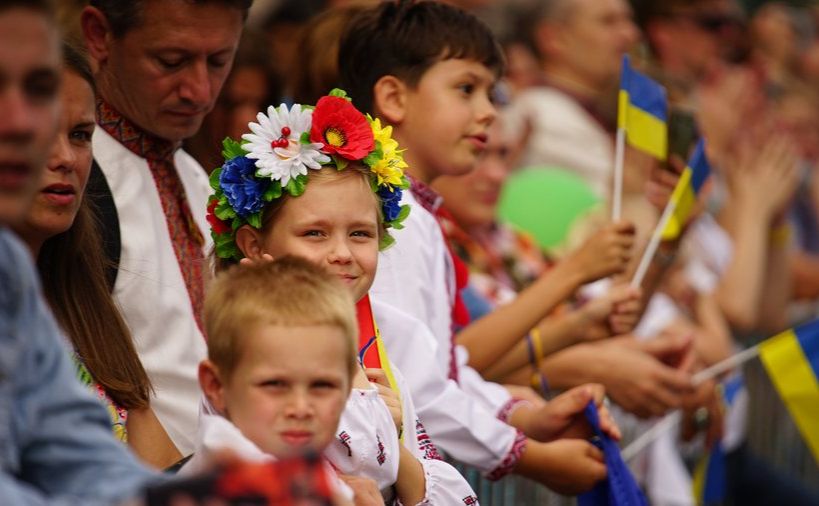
<point x="56" y="445"/>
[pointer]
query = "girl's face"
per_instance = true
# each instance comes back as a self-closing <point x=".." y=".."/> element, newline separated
<point x="69" y="163"/>
<point x="333" y="224"/>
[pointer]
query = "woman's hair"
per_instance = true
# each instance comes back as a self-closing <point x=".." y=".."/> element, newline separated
<point x="318" y="72"/>
<point x="72" y="268"/>
<point x="326" y="173"/>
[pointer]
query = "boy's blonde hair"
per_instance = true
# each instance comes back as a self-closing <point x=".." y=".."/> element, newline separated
<point x="287" y="292"/>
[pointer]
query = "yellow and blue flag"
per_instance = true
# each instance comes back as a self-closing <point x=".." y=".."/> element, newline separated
<point x="642" y="112"/>
<point x="685" y="193"/>
<point x="792" y="361"/>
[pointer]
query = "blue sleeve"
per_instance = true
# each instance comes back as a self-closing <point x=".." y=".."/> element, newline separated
<point x="60" y="436"/>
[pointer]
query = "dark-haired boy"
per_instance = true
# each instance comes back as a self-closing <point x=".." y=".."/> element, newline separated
<point x="428" y="69"/>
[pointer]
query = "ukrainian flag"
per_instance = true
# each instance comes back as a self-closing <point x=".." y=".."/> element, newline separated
<point x="685" y="193"/>
<point x="792" y="361"/>
<point x="642" y="112"/>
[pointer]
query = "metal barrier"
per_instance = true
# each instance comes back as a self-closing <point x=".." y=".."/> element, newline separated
<point x="511" y="490"/>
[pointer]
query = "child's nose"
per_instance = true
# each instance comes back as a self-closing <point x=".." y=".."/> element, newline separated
<point x="299" y="405"/>
<point x="340" y="252"/>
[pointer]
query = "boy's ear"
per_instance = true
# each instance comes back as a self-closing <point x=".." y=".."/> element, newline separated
<point x="97" y="33"/>
<point x="390" y="99"/>
<point x="249" y="242"/>
<point x="211" y="384"/>
<point x="547" y="38"/>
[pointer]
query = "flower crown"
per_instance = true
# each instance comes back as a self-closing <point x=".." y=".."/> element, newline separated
<point x="283" y="145"/>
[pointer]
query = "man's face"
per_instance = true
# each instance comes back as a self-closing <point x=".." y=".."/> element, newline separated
<point x="166" y="73"/>
<point x="29" y="85"/>
<point x="594" y="38"/>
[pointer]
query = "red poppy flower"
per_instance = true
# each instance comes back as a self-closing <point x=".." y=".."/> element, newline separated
<point x="218" y="226"/>
<point x="341" y="128"/>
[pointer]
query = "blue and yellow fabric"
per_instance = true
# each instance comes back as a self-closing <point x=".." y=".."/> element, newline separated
<point x="685" y="193"/>
<point x="792" y="361"/>
<point x="642" y="112"/>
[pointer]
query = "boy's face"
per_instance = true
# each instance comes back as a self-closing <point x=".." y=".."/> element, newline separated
<point x="334" y="224"/>
<point x="289" y="388"/>
<point x="446" y="118"/>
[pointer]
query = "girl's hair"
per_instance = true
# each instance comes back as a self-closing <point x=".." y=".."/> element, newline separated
<point x="326" y="173"/>
<point x="72" y="268"/>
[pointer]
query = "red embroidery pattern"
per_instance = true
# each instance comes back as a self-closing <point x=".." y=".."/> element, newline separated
<point x="470" y="500"/>
<point x="511" y="458"/>
<point x="511" y="405"/>
<point x="185" y="235"/>
<point x="425" y="444"/>
<point x="382" y="456"/>
<point x="344" y="439"/>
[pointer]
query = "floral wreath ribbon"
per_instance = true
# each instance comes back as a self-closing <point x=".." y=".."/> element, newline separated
<point x="283" y="145"/>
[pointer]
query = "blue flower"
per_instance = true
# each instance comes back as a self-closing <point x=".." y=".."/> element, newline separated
<point x="390" y="202"/>
<point x="243" y="190"/>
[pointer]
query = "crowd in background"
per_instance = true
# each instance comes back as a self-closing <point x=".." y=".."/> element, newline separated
<point x="547" y="306"/>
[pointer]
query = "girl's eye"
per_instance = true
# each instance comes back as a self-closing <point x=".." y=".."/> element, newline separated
<point x="312" y="233"/>
<point x="324" y="385"/>
<point x="362" y="233"/>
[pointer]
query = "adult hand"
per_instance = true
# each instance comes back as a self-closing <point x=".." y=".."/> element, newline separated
<point x="638" y="379"/>
<point x="703" y="412"/>
<point x="567" y="466"/>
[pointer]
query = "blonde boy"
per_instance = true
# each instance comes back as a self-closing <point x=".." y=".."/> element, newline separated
<point x="281" y="357"/>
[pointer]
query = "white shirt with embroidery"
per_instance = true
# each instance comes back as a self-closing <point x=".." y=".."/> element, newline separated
<point x="457" y="423"/>
<point x="416" y="275"/>
<point x="150" y="289"/>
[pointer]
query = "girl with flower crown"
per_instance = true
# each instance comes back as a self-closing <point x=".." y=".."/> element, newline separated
<point x="263" y="205"/>
<point x="266" y="207"/>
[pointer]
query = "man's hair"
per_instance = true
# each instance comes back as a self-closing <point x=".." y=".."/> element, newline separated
<point x="123" y="15"/>
<point x="45" y="6"/>
<point x="287" y="292"/>
<point x="404" y="38"/>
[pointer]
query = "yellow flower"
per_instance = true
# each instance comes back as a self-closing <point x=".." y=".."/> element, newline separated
<point x="390" y="168"/>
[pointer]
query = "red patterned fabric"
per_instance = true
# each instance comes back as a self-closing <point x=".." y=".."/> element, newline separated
<point x="185" y="235"/>
<point x="431" y="201"/>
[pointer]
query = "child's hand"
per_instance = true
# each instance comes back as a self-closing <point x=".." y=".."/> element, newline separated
<point x="605" y="253"/>
<point x="387" y="394"/>
<point x="563" y="416"/>
<point x="567" y="466"/>
<point x="619" y="308"/>
<point x="266" y="257"/>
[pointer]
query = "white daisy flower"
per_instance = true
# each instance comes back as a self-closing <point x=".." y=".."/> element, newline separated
<point x="279" y="156"/>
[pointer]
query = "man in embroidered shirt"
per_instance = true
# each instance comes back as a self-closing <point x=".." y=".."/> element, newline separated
<point x="161" y="66"/>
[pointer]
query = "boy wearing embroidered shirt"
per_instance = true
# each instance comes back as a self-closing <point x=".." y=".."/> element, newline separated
<point x="428" y="70"/>
<point x="280" y="361"/>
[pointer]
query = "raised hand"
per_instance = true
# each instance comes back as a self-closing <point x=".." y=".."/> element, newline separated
<point x="605" y="253"/>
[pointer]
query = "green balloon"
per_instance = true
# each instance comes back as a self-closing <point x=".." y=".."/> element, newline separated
<point x="544" y="202"/>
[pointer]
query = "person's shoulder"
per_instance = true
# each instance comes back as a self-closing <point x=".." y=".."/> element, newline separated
<point x="17" y="268"/>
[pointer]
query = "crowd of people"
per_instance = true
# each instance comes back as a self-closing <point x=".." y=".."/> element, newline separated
<point x="238" y="232"/>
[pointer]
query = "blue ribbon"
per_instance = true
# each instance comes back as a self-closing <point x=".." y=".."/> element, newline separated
<point x="619" y="488"/>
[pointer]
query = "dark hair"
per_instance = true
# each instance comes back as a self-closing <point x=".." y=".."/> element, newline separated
<point x="72" y="269"/>
<point x="404" y="38"/>
<point x="44" y="6"/>
<point x="318" y="52"/>
<point x="123" y="15"/>
<point x="76" y="60"/>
